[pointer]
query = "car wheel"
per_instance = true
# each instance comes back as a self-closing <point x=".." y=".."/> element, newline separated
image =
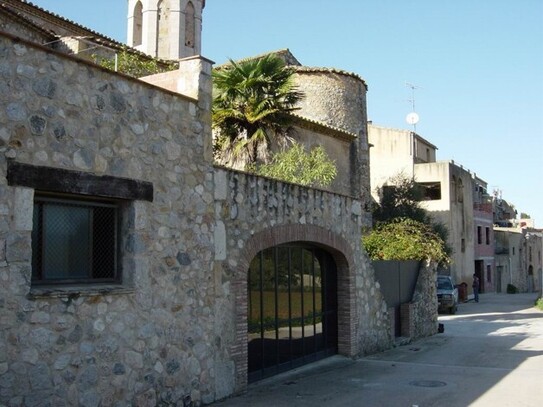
<point x="452" y="310"/>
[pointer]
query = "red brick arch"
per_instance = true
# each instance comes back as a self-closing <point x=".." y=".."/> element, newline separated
<point x="341" y="252"/>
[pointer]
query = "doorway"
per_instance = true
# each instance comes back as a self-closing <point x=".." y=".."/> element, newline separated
<point x="292" y="309"/>
<point x="480" y="273"/>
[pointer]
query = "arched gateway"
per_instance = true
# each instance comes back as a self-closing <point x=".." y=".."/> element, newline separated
<point x="292" y="281"/>
<point x="292" y="308"/>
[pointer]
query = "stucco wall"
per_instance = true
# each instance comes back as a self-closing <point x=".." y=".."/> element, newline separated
<point x="391" y="154"/>
<point x="455" y="212"/>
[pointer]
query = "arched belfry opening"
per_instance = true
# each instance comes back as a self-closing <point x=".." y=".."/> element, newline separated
<point x="137" y="25"/>
<point x="167" y="29"/>
<point x="190" y="25"/>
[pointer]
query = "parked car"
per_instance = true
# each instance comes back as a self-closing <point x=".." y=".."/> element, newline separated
<point x="447" y="294"/>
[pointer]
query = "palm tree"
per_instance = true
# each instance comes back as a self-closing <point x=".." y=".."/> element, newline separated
<point x="251" y="102"/>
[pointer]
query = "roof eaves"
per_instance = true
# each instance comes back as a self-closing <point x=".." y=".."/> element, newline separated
<point x="25" y="21"/>
<point x="86" y="32"/>
<point x="56" y="18"/>
<point x="309" y="69"/>
<point x="322" y="127"/>
<point x="279" y="52"/>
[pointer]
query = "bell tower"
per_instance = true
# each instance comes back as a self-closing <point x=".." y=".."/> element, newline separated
<point x="166" y="29"/>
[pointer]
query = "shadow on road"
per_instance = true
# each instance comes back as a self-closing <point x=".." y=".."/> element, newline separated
<point x="491" y="353"/>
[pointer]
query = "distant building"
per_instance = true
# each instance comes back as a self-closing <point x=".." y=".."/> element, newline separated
<point x="504" y="213"/>
<point x="453" y="195"/>
<point x="484" y="236"/>
<point x="518" y="258"/>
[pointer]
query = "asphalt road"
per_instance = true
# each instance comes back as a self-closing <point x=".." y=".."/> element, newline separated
<point x="491" y="354"/>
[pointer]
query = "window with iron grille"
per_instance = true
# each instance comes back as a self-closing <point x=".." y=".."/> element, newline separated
<point x="74" y="240"/>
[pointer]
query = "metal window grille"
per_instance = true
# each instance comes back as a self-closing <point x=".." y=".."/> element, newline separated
<point x="74" y="241"/>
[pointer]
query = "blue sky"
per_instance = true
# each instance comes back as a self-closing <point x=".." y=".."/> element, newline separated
<point x="477" y="65"/>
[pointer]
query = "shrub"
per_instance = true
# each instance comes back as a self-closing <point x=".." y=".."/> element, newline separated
<point x="313" y="168"/>
<point x="539" y="303"/>
<point x="511" y="289"/>
<point x="135" y="65"/>
<point x="405" y="239"/>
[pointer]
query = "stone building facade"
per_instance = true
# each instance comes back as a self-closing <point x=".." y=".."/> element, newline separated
<point x="331" y="114"/>
<point x="142" y="336"/>
<point x="337" y="99"/>
<point x="485" y="267"/>
<point x="171" y="329"/>
<point x="518" y="259"/>
<point x="169" y="324"/>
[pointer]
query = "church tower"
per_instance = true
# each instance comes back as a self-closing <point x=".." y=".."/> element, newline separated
<point x="166" y="29"/>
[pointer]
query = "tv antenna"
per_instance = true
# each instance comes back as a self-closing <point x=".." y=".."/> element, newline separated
<point x="412" y="118"/>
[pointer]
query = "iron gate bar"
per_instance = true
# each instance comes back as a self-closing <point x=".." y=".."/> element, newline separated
<point x="261" y="269"/>
<point x="276" y="293"/>
<point x="314" y="302"/>
<point x="302" y="299"/>
<point x="289" y="263"/>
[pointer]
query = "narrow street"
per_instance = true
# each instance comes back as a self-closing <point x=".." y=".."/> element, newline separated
<point x="491" y="354"/>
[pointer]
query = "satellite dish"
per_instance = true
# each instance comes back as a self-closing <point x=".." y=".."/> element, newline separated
<point x="412" y="118"/>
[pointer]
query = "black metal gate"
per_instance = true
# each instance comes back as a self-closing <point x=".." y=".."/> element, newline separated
<point x="397" y="280"/>
<point x="292" y="309"/>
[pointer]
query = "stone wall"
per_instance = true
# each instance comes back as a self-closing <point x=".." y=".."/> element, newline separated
<point x="333" y="97"/>
<point x="254" y="213"/>
<point x="424" y="303"/>
<point x="152" y="337"/>
<point x="338" y="99"/>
